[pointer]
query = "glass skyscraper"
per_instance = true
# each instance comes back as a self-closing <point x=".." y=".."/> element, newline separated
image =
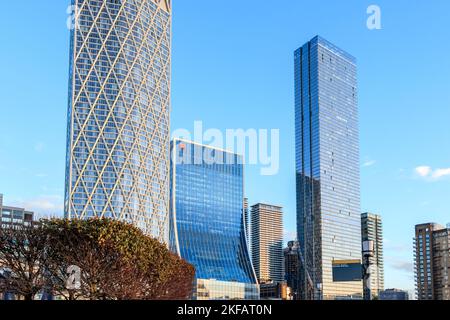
<point x="118" y="139"/>
<point x="327" y="168"/>
<point x="207" y="221"/>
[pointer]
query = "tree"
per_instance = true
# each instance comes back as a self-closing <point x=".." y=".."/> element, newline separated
<point x="117" y="261"/>
<point x="97" y="264"/>
<point x="179" y="280"/>
<point x="22" y="255"/>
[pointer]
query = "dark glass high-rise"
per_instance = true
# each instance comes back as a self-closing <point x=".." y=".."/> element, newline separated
<point x="327" y="168"/>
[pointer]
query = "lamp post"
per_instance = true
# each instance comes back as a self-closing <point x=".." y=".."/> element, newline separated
<point x="319" y="292"/>
<point x="368" y="252"/>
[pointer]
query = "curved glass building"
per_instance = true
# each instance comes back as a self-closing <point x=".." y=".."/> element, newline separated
<point x="207" y="221"/>
<point x="118" y="140"/>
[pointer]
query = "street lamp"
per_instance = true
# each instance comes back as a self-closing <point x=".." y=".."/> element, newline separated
<point x="368" y="252"/>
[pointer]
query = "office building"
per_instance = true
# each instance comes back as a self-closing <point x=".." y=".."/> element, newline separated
<point x="372" y="230"/>
<point x="267" y="242"/>
<point x="327" y="169"/>
<point x="118" y="135"/>
<point x="432" y="262"/>
<point x="207" y="221"/>
<point x="13" y="216"/>
<point x="393" y="294"/>
<point x="275" y="291"/>
<point x="292" y="268"/>
<point x="247" y="224"/>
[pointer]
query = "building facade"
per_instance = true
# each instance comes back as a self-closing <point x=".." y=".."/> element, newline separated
<point x="393" y="294"/>
<point x="247" y="224"/>
<point x="267" y="242"/>
<point x="372" y="230"/>
<point x="432" y="262"/>
<point x="207" y="221"/>
<point x="118" y="135"/>
<point x="13" y="216"/>
<point x="327" y="167"/>
<point x="275" y="291"/>
<point x="292" y="268"/>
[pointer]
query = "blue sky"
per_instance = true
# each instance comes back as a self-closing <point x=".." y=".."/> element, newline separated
<point x="233" y="68"/>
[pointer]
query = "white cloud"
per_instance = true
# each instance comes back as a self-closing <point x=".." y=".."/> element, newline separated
<point x="439" y="173"/>
<point x="403" y="265"/>
<point x="369" y="163"/>
<point x="428" y="172"/>
<point x="423" y="171"/>
<point x="396" y="246"/>
<point x="44" y="206"/>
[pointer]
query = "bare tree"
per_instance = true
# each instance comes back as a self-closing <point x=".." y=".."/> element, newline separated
<point x="22" y="249"/>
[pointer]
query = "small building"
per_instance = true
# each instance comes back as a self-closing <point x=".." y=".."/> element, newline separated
<point x="275" y="291"/>
<point x="13" y="216"/>
<point x="393" y="294"/>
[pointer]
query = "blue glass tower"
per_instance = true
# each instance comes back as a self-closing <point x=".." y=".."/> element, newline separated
<point x="327" y="168"/>
<point x="207" y="221"/>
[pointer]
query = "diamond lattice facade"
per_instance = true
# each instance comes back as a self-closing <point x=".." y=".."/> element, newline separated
<point x="118" y="118"/>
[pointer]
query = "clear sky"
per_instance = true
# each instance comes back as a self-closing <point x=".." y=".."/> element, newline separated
<point x="233" y="68"/>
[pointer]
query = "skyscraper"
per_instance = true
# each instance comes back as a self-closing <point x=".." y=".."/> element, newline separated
<point x="327" y="168"/>
<point x="372" y="230"/>
<point x="432" y="262"/>
<point x="207" y="221"/>
<point x="267" y="242"/>
<point x="292" y="267"/>
<point x="118" y="116"/>
<point x="247" y="223"/>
